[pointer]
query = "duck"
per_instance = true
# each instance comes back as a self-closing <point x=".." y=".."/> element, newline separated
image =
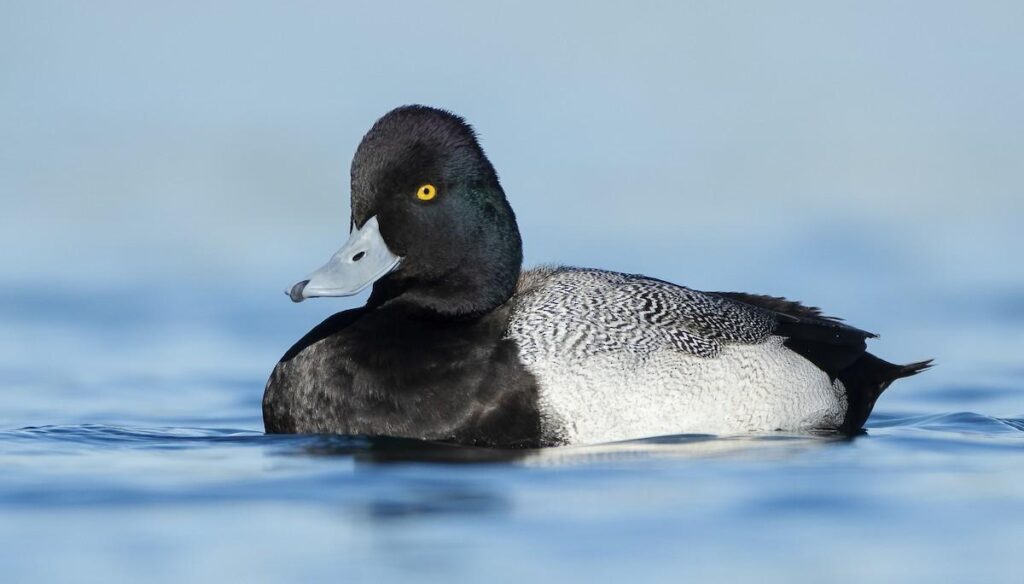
<point x="458" y="343"/>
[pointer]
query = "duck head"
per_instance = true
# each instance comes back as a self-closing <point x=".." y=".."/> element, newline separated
<point x="431" y="228"/>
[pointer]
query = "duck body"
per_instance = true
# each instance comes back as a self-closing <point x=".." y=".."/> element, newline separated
<point x="622" y="356"/>
<point x="457" y="344"/>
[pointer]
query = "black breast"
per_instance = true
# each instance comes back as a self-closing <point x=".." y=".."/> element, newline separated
<point x="385" y="371"/>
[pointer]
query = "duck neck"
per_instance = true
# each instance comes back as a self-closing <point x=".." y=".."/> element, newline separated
<point x="484" y="279"/>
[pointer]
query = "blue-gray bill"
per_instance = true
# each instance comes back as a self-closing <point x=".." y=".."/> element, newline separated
<point x="364" y="259"/>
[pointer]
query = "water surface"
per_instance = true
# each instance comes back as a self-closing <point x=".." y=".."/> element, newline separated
<point x="132" y="449"/>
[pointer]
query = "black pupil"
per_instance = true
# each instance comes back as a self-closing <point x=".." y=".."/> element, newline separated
<point x="358" y="256"/>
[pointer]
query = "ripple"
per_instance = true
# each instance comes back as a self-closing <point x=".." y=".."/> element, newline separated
<point x="960" y="422"/>
<point x="102" y="434"/>
<point x="950" y="427"/>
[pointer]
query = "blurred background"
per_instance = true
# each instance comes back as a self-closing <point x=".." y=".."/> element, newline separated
<point x="867" y="158"/>
<point x="168" y="169"/>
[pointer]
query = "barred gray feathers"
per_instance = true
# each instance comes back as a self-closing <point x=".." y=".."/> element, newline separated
<point x="586" y="312"/>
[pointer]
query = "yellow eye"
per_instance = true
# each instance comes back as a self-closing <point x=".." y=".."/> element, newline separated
<point x="426" y="192"/>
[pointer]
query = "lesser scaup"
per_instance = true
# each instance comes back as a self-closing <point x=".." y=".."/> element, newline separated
<point x="457" y="344"/>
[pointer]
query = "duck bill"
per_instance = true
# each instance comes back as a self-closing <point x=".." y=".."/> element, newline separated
<point x="363" y="260"/>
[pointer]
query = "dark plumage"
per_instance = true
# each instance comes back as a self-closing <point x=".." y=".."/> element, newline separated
<point x="387" y="371"/>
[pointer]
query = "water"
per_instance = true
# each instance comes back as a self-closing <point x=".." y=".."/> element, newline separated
<point x="132" y="450"/>
<point x="921" y="499"/>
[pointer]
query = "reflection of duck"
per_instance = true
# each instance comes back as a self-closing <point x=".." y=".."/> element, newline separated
<point x="456" y="344"/>
<point x="387" y="449"/>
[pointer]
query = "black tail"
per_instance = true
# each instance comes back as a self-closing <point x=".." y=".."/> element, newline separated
<point x="865" y="380"/>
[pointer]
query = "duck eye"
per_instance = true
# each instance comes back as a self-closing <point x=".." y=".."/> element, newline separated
<point x="426" y="192"/>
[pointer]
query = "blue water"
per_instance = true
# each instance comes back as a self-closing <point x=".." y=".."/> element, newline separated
<point x="131" y="449"/>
